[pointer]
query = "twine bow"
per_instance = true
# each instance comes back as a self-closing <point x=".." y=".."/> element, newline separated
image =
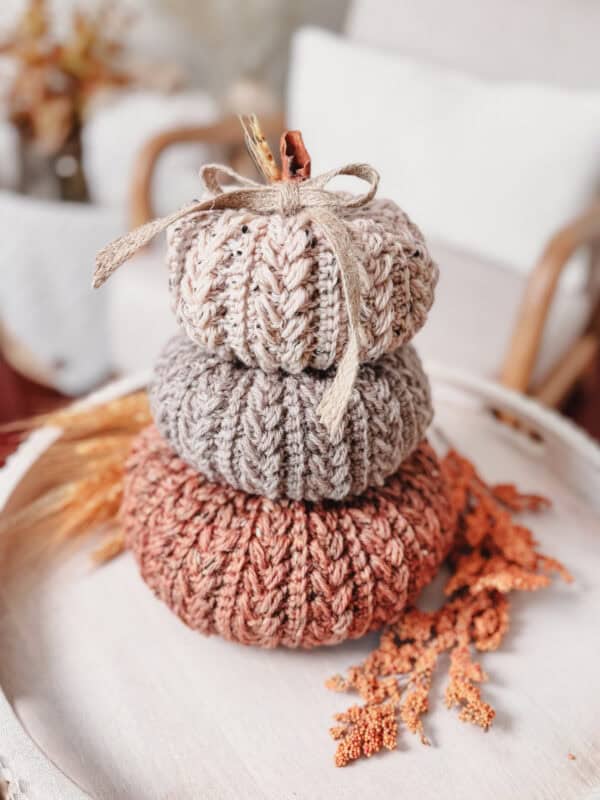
<point x="322" y="206"/>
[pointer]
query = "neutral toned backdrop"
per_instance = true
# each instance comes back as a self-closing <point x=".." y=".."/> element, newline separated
<point x="216" y="41"/>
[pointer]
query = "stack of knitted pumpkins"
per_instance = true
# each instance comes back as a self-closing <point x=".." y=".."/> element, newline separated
<point x="251" y="513"/>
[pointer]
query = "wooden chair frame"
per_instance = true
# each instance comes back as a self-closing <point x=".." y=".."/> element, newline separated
<point x="522" y="352"/>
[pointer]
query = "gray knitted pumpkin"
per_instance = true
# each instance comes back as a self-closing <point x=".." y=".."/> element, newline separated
<point x="259" y="431"/>
<point x="266" y="288"/>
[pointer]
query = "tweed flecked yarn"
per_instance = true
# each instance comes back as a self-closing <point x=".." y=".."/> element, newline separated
<point x="266" y="288"/>
<point x="259" y="431"/>
<point x="283" y="573"/>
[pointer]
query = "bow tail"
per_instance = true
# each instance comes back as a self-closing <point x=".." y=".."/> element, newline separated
<point x="246" y="193"/>
<point x="111" y="257"/>
<point x="334" y="402"/>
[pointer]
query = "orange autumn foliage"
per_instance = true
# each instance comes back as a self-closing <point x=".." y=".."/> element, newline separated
<point x="492" y="555"/>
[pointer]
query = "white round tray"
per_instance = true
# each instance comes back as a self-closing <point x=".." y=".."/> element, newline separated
<point x="101" y="683"/>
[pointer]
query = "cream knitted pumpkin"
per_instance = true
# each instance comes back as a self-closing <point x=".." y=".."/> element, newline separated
<point x="266" y="288"/>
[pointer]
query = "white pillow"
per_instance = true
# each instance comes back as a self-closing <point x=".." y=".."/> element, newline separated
<point x="491" y="167"/>
<point x="115" y="132"/>
<point x="47" y="303"/>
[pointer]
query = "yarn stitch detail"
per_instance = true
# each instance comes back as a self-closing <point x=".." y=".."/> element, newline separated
<point x="259" y="432"/>
<point x="287" y="573"/>
<point x="265" y="288"/>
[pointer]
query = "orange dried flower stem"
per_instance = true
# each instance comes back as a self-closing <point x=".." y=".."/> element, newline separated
<point x="492" y="556"/>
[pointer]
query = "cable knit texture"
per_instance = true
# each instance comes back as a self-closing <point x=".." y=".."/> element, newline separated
<point x="266" y="288"/>
<point x="283" y="573"/>
<point x="260" y="432"/>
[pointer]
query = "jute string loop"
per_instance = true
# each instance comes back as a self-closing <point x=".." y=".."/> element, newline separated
<point x="286" y="197"/>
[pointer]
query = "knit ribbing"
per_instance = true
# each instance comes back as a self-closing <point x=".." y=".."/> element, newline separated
<point x="283" y="573"/>
<point x="259" y="431"/>
<point x="265" y="288"/>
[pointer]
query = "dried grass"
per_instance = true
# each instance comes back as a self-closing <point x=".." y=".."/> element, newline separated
<point x="76" y="485"/>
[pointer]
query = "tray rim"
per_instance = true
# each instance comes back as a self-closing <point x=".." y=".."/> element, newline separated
<point x="21" y="755"/>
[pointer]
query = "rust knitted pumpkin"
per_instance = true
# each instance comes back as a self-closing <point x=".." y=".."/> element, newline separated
<point x="286" y="572"/>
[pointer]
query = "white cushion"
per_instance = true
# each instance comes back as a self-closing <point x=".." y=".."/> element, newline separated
<point x="493" y="168"/>
<point x="139" y="315"/>
<point x="118" y="129"/>
<point x="46" y="299"/>
<point x="474" y="313"/>
<point x="553" y="41"/>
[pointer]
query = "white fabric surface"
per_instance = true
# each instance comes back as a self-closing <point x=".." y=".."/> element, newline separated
<point x="490" y="167"/>
<point x="117" y="130"/>
<point x="140" y="320"/>
<point x="47" y="252"/>
<point x="550" y="41"/>
<point x="474" y="314"/>
<point x="132" y="705"/>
